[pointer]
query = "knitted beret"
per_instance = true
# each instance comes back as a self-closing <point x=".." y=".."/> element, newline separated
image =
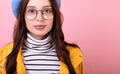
<point x="16" y="3"/>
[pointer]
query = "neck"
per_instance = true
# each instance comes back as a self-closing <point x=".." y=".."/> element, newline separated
<point x="38" y="37"/>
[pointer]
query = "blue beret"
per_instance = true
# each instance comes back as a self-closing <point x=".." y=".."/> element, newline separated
<point x="16" y="3"/>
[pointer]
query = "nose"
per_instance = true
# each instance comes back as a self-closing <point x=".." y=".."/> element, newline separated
<point x="39" y="16"/>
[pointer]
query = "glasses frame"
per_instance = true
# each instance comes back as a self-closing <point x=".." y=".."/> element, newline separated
<point x="42" y="12"/>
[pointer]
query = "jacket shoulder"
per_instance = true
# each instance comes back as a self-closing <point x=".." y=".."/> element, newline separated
<point x="74" y="51"/>
<point x="76" y="58"/>
<point x="6" y="50"/>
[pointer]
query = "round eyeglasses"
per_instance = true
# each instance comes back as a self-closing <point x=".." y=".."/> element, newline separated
<point x="31" y="13"/>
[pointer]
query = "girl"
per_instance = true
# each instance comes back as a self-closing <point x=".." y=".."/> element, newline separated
<point x="38" y="45"/>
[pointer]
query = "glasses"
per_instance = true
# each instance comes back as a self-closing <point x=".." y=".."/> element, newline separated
<point x="31" y="13"/>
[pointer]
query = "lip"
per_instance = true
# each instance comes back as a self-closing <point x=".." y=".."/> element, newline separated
<point x="40" y="27"/>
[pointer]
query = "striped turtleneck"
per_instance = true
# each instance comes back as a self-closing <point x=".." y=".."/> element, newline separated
<point x="40" y="56"/>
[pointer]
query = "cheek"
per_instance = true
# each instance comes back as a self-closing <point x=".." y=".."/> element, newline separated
<point x="50" y="24"/>
<point x="28" y="24"/>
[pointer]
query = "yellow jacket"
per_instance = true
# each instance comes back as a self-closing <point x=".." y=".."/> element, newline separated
<point x="75" y="56"/>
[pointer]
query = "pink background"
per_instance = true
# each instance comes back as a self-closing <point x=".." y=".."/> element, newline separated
<point x="93" y="24"/>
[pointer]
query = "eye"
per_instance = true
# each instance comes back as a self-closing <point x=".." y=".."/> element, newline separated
<point x="31" y="11"/>
<point x="48" y="10"/>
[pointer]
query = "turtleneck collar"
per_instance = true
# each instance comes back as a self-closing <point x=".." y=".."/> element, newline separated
<point x="35" y="45"/>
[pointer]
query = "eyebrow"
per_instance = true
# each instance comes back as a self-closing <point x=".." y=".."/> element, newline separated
<point x="35" y="6"/>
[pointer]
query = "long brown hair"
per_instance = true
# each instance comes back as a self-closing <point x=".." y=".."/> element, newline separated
<point x="20" y="32"/>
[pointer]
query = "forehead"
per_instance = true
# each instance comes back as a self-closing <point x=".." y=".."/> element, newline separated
<point x="38" y="3"/>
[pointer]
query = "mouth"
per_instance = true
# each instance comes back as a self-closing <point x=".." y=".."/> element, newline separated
<point x="40" y="27"/>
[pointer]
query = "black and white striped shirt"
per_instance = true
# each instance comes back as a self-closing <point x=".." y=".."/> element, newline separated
<point x="40" y="56"/>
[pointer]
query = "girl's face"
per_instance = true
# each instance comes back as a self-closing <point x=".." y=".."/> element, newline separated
<point x="39" y="18"/>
